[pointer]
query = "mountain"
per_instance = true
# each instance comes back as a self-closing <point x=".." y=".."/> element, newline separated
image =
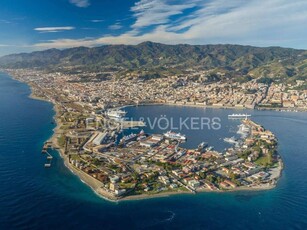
<point x="243" y="60"/>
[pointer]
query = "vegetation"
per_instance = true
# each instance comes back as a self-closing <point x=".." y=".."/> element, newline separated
<point x="151" y="60"/>
<point x="265" y="160"/>
<point x="265" y="80"/>
<point x="62" y="140"/>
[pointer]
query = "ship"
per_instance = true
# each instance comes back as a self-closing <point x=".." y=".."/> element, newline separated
<point x="128" y="138"/>
<point x="210" y="148"/>
<point x="202" y="145"/>
<point x="231" y="140"/>
<point x="243" y="130"/>
<point x="175" y="136"/>
<point x="117" y="114"/>
<point x="239" y="116"/>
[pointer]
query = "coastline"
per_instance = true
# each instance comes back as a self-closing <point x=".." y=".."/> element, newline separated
<point x="95" y="184"/>
<point x="216" y="107"/>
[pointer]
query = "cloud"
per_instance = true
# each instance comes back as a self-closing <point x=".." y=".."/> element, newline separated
<point x="80" y="3"/>
<point x="5" y="21"/>
<point x="254" y="22"/>
<point x="116" y="26"/>
<point x="53" y="29"/>
<point x="96" y="20"/>
<point x="64" y="43"/>
<point x="157" y="12"/>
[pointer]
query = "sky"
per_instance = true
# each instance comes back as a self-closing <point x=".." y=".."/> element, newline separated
<point x="32" y="25"/>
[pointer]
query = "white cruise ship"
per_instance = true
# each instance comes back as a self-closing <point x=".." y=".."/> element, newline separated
<point x="176" y="136"/>
<point x="239" y="116"/>
<point x="116" y="113"/>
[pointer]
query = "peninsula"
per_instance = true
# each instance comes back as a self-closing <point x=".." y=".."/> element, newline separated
<point x="140" y="165"/>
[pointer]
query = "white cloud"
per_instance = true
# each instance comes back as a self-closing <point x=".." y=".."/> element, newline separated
<point x="80" y="3"/>
<point x="5" y="21"/>
<point x="53" y="29"/>
<point x="96" y="20"/>
<point x="64" y="43"/>
<point x="157" y="12"/>
<point x="253" y="22"/>
<point x="116" y="26"/>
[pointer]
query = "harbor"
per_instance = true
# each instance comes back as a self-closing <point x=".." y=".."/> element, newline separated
<point x="51" y="189"/>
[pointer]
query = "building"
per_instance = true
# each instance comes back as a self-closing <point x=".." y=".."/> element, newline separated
<point x="98" y="140"/>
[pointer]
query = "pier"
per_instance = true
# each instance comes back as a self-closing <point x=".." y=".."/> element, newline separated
<point x="46" y="146"/>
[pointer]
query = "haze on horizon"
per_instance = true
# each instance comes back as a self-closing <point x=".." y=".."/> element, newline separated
<point x="62" y="24"/>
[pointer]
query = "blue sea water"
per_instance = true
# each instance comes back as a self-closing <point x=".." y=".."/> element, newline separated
<point x="32" y="197"/>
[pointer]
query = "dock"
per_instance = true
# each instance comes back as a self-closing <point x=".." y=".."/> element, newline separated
<point x="49" y="158"/>
<point x="132" y="124"/>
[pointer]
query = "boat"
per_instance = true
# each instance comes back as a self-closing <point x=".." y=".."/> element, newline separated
<point x="117" y="113"/>
<point x="231" y="140"/>
<point x="128" y="138"/>
<point x="239" y="116"/>
<point x="243" y="130"/>
<point x="202" y="145"/>
<point x="175" y="136"/>
<point x="210" y="148"/>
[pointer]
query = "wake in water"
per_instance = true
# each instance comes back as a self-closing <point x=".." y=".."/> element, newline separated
<point x="171" y="217"/>
<point x="156" y="222"/>
<point x="297" y="120"/>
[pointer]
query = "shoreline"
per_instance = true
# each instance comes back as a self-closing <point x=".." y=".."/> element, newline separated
<point x="95" y="184"/>
<point x="280" y="109"/>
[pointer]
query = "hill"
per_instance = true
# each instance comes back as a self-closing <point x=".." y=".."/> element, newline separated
<point x="272" y="62"/>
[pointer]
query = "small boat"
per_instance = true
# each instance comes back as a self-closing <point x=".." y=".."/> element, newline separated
<point x="243" y="130"/>
<point x="202" y="145"/>
<point x="210" y="148"/>
<point x="231" y="140"/>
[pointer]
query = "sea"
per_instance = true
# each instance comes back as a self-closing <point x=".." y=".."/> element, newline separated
<point x="34" y="197"/>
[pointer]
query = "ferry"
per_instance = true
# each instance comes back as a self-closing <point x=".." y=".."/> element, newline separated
<point x="176" y="136"/>
<point x="116" y="113"/>
<point x="238" y="116"/>
<point x="128" y="138"/>
<point x="231" y="140"/>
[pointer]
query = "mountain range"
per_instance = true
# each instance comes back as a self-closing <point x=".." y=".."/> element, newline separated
<point x="272" y="62"/>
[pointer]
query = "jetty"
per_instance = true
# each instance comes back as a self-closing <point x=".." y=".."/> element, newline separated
<point x="49" y="158"/>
